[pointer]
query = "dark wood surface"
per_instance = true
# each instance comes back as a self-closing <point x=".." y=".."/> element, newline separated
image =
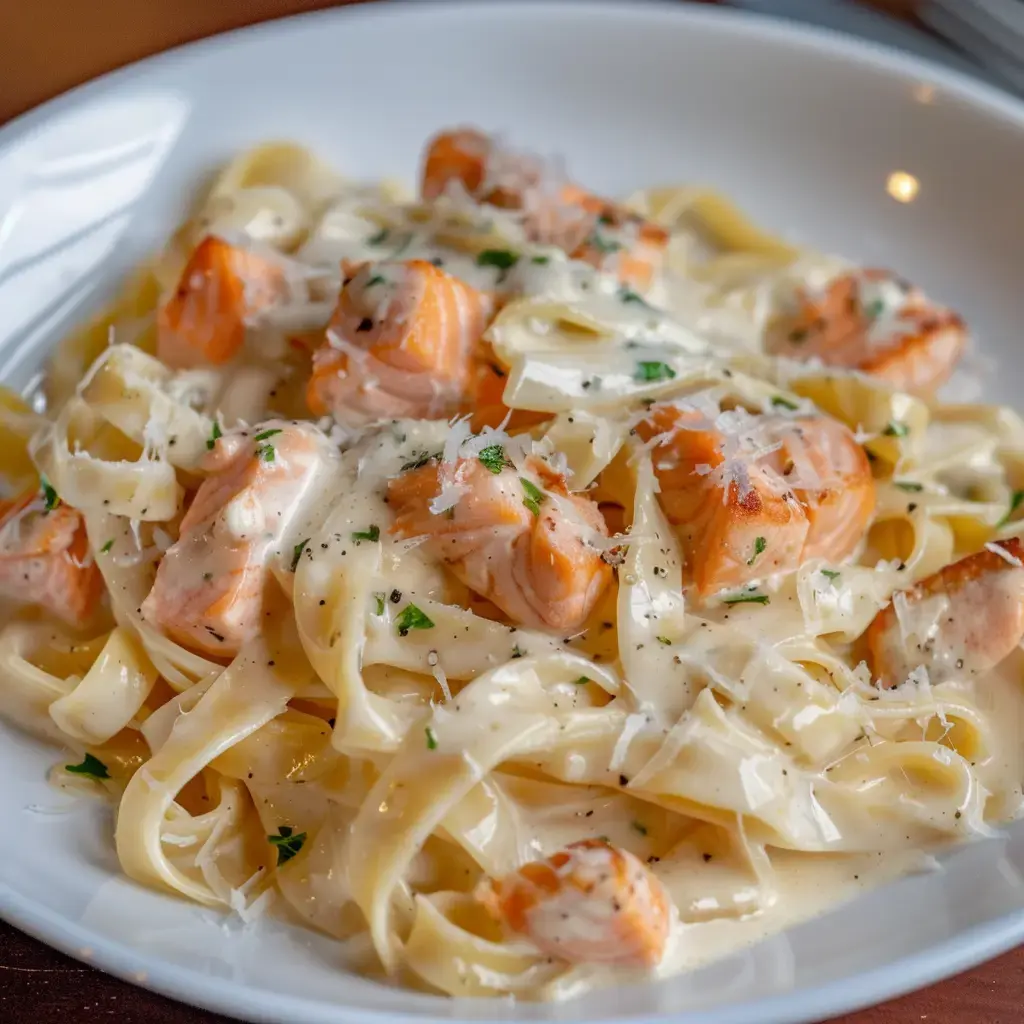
<point x="47" y="46"/>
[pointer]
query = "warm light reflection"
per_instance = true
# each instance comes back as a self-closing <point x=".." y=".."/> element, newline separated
<point x="924" y="93"/>
<point x="902" y="187"/>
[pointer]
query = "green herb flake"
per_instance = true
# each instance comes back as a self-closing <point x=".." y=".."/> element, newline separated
<point x="50" y="497"/>
<point x="503" y="259"/>
<point x="518" y="652"/>
<point x="911" y="487"/>
<point x="266" y="452"/>
<point x="380" y="599"/>
<point x="541" y="261"/>
<point x="1015" y="501"/>
<point x="287" y="842"/>
<point x="375" y="280"/>
<point x="582" y="681"/>
<point x="747" y="599"/>
<point x="371" y="533"/>
<point x="214" y="435"/>
<point x="602" y="244"/>
<point x="760" y="544"/>
<point x="263" y="435"/>
<point x="493" y="458"/>
<point x="628" y="296"/>
<point x="412" y="617"/>
<point x="831" y="574"/>
<point x="106" y="547"/>
<point x="640" y="827"/>
<point x="91" y="766"/>
<point x="653" y="371"/>
<point x="431" y="738"/>
<point x="874" y="309"/>
<point x="297" y="552"/>
<point x="380" y="238"/>
<point x="664" y="640"/>
<point x="896" y="428"/>
<point x="784" y="403"/>
<point x="533" y="495"/>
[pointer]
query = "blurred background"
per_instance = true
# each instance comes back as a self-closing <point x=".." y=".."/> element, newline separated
<point x="47" y="46"/>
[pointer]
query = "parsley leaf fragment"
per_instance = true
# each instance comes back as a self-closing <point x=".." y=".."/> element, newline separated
<point x="493" y="458"/>
<point x="50" y="497"/>
<point x="214" y="435"/>
<point x="503" y="259"/>
<point x="760" y="544"/>
<point x="371" y="533"/>
<point x="412" y="617"/>
<point x="297" y="552"/>
<point x="649" y="371"/>
<point x="896" y="428"/>
<point x="747" y="599"/>
<point x="431" y="738"/>
<point x="533" y="495"/>
<point x="287" y="842"/>
<point x="1015" y="500"/>
<point x="91" y="766"/>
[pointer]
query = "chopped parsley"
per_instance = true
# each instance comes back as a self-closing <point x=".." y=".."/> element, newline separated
<point x="503" y="259"/>
<point x="431" y="738"/>
<point x="909" y="486"/>
<point x="106" y="547"/>
<point x="297" y="552"/>
<point x="263" y="435"/>
<point x="582" y="681"/>
<point x="627" y="295"/>
<point x="91" y="766"/>
<point x="653" y="371"/>
<point x="371" y="533"/>
<point x="287" y="842"/>
<point x="640" y="827"/>
<point x="896" y="428"/>
<point x="747" y="599"/>
<point x="602" y="244"/>
<point x="760" y="544"/>
<point x="266" y="452"/>
<point x="541" y="261"/>
<point x="493" y="458"/>
<point x="874" y="309"/>
<point x="784" y="403"/>
<point x="533" y="495"/>
<point x="664" y="640"/>
<point x="412" y="617"/>
<point x="50" y="497"/>
<point x="1018" y="497"/>
<point x="379" y="599"/>
<point x="518" y="652"/>
<point x="380" y="238"/>
<point x="214" y="435"/>
<point x="832" y="574"/>
<point x="375" y="280"/>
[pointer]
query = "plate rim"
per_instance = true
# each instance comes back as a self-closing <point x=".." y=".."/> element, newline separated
<point x="968" y="949"/>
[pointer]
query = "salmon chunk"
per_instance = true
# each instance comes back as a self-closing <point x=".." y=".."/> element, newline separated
<point x="45" y="559"/>
<point x="589" y="228"/>
<point x="400" y="344"/>
<point x="956" y="624"/>
<point x="874" y="322"/>
<point x="522" y="542"/>
<point x="758" y="495"/>
<point x="590" y="903"/>
<point x="210" y="588"/>
<point x="222" y="288"/>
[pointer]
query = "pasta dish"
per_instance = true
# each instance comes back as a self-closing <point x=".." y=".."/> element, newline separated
<point x="531" y="590"/>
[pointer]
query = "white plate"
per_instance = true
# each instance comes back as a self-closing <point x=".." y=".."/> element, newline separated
<point x="803" y="127"/>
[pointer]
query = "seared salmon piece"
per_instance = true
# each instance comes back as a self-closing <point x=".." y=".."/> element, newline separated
<point x="45" y="559"/>
<point x="761" y="498"/>
<point x="957" y="623"/>
<point x="211" y="585"/>
<point x="874" y="322"/>
<point x="590" y="903"/>
<point x="222" y="288"/>
<point x="400" y="344"/>
<point x="589" y="228"/>
<point x="522" y="542"/>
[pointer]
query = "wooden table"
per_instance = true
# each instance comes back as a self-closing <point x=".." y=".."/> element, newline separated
<point x="47" y="46"/>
